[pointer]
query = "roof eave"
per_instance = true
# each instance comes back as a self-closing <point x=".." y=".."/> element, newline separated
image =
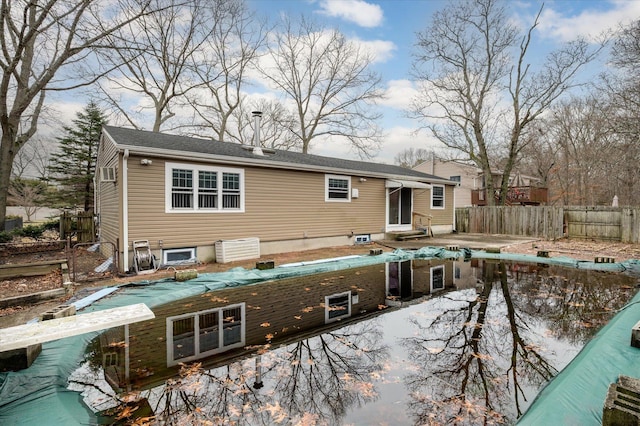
<point x="264" y="162"/>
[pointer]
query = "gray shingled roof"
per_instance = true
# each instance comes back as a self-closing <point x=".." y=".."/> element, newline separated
<point x="141" y="140"/>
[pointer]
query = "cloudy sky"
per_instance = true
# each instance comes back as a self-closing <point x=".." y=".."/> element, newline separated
<point x="389" y="28"/>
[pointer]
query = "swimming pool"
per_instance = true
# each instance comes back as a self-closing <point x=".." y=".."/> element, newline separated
<point x="421" y="341"/>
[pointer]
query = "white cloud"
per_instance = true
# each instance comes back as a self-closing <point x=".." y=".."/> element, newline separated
<point x="357" y="11"/>
<point x="381" y="50"/>
<point x="589" y="23"/>
<point x="396" y="140"/>
<point x="399" y="94"/>
<point x="401" y="138"/>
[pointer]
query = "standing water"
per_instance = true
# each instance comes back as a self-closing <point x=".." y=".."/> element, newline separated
<point x="413" y="342"/>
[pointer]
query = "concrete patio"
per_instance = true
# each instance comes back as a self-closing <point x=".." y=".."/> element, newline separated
<point x="472" y="241"/>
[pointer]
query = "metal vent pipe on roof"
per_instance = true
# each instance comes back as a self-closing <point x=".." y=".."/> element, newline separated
<point x="257" y="149"/>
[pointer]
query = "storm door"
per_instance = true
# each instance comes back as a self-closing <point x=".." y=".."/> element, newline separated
<point x="400" y="206"/>
<point x="399" y="280"/>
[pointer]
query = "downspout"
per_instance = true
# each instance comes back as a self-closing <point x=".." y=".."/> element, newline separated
<point x="96" y="208"/>
<point x="454" y="207"/>
<point x="125" y="212"/>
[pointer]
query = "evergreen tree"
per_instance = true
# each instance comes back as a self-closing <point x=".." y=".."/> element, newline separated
<point x="73" y="167"/>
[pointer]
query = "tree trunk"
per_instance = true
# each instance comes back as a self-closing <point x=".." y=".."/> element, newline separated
<point x="7" y="155"/>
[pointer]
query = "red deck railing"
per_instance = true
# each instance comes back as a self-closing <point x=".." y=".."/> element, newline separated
<point x="523" y="195"/>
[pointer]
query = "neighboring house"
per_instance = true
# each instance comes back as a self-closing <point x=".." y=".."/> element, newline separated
<point x="182" y="195"/>
<point x="472" y="190"/>
<point x="467" y="176"/>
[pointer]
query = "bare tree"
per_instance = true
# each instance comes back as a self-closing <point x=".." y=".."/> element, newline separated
<point x="153" y="56"/>
<point x="40" y="42"/>
<point x="229" y="53"/>
<point x="411" y="157"/>
<point x="466" y="63"/>
<point x="580" y="130"/>
<point x="539" y="151"/>
<point x="274" y="125"/>
<point x="29" y="194"/>
<point x="32" y="160"/>
<point x="330" y="83"/>
<point x="622" y="89"/>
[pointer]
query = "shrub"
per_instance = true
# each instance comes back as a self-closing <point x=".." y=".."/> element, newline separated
<point x="30" y="231"/>
<point x="51" y="225"/>
<point x="5" y="237"/>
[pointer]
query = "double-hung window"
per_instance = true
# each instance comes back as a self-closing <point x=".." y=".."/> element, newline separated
<point x="436" y="278"/>
<point x="207" y="189"/>
<point x="200" y="334"/>
<point x="337" y="188"/>
<point x="181" y="189"/>
<point x="437" y="196"/>
<point x="230" y="191"/>
<point x="192" y="188"/>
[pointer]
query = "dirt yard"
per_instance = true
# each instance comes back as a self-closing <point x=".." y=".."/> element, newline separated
<point x="577" y="249"/>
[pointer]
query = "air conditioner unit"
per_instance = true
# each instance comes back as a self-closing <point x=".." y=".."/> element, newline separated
<point x="108" y="174"/>
<point x="241" y="249"/>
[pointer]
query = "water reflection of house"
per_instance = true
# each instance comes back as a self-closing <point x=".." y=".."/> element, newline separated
<point x="217" y="327"/>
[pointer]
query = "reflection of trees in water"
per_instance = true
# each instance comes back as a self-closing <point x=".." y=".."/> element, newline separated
<point x="473" y="358"/>
<point x="574" y="303"/>
<point x="316" y="379"/>
<point x="221" y="396"/>
<point x="330" y="373"/>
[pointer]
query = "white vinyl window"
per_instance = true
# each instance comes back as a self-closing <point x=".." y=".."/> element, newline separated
<point x="191" y="188"/>
<point x="437" y="196"/>
<point x="108" y="174"/>
<point x="337" y="306"/>
<point x="200" y="334"/>
<point x="337" y="188"/>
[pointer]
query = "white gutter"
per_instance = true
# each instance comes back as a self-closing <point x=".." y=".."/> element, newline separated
<point x="125" y="211"/>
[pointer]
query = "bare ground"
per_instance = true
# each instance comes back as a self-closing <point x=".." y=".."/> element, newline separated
<point x="577" y="249"/>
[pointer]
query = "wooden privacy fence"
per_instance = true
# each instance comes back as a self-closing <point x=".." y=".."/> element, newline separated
<point x="82" y="224"/>
<point x="540" y="221"/>
<point x="604" y="223"/>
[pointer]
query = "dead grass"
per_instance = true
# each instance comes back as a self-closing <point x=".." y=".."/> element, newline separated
<point x="579" y="249"/>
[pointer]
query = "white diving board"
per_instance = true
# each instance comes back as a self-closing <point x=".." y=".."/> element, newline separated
<point x="25" y="335"/>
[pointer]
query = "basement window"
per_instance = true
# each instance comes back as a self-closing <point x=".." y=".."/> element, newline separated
<point x="179" y="256"/>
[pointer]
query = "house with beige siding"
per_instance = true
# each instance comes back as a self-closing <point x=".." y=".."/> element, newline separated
<point x="191" y="198"/>
<point x="468" y="177"/>
<point x="471" y="190"/>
